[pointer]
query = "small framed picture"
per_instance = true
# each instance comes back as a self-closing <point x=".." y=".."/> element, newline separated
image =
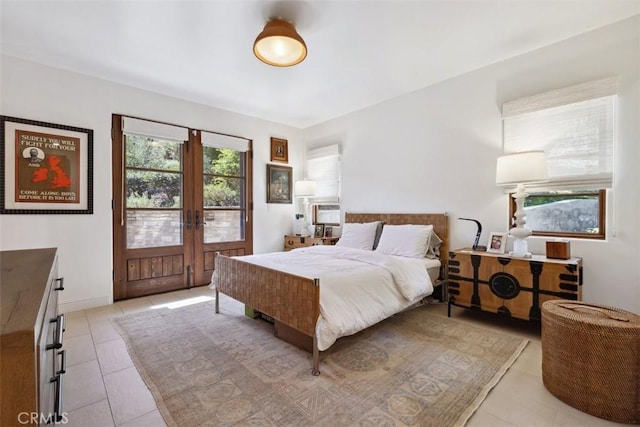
<point x="279" y="151"/>
<point x="328" y="231"/>
<point x="319" y="231"/>
<point x="497" y="242"/>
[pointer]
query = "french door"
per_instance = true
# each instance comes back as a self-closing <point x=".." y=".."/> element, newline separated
<point x="180" y="196"/>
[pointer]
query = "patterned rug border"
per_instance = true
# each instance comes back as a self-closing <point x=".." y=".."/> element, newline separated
<point x="170" y="421"/>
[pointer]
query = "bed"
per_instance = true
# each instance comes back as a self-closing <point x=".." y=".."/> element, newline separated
<point x="286" y="291"/>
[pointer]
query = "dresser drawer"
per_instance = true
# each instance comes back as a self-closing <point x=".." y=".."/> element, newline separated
<point x="51" y="356"/>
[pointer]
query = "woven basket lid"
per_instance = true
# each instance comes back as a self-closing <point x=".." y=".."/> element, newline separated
<point x="593" y="314"/>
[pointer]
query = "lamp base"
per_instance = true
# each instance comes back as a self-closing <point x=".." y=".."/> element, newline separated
<point x="520" y="249"/>
<point x="520" y="254"/>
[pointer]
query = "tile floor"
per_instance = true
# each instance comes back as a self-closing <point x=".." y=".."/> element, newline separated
<point x="103" y="388"/>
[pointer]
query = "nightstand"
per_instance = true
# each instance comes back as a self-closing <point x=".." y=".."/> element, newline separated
<point x="510" y="286"/>
<point x="293" y="242"/>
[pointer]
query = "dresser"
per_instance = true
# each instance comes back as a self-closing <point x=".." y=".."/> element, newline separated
<point x="510" y="286"/>
<point x="32" y="362"/>
<point x="293" y="242"/>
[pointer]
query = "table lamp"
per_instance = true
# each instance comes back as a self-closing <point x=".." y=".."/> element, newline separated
<point x="305" y="189"/>
<point x="519" y="169"/>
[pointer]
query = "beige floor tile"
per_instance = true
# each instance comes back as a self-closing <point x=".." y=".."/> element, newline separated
<point x="95" y="415"/>
<point x="152" y="419"/>
<point x="113" y="356"/>
<point x="134" y="305"/>
<point x="520" y="410"/>
<point x="568" y="416"/>
<point x="83" y="385"/>
<point x="482" y="418"/>
<point x="171" y="297"/>
<point x="75" y="326"/>
<point x="106" y="312"/>
<point x="104" y="331"/>
<point x="518" y="385"/>
<point x="79" y="349"/>
<point x="128" y="395"/>
<point x="530" y="361"/>
<point x="77" y="313"/>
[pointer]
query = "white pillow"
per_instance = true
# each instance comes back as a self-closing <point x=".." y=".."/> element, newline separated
<point x="358" y="236"/>
<point x="405" y="240"/>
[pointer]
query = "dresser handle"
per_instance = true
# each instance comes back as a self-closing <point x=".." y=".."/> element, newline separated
<point x="57" y="411"/>
<point x="63" y="362"/>
<point x="61" y="287"/>
<point x="290" y="242"/>
<point x="59" y="321"/>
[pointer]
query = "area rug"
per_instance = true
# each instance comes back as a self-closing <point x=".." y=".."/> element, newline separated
<point x="415" y="368"/>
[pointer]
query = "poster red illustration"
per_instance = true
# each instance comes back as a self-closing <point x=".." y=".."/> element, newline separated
<point x="47" y="168"/>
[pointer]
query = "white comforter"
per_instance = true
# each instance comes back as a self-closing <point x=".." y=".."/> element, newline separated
<point x="358" y="288"/>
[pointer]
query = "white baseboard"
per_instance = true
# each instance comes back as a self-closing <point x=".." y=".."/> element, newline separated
<point x="68" y="307"/>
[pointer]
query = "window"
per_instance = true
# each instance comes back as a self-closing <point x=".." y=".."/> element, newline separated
<point x="570" y="213"/>
<point x="575" y="128"/>
<point x="323" y="167"/>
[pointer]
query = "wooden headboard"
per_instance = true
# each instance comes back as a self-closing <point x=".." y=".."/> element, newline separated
<point x="440" y="222"/>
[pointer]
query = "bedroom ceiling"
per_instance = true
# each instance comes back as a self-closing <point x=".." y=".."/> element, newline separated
<point x="360" y="52"/>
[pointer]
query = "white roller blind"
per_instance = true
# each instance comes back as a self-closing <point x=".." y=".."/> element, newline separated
<point x="210" y="139"/>
<point x="575" y="128"/>
<point x="323" y="167"/>
<point x="157" y="130"/>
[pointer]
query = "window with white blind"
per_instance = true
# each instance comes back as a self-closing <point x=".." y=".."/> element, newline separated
<point x="323" y="167"/>
<point x="575" y="128"/>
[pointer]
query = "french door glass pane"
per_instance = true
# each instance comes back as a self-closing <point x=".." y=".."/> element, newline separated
<point x="222" y="161"/>
<point x="223" y="226"/>
<point x="149" y="153"/>
<point x="222" y="191"/>
<point x="147" y="189"/>
<point x="154" y="186"/>
<point x="151" y="228"/>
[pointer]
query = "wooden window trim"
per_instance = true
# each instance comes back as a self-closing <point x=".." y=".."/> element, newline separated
<point x="600" y="235"/>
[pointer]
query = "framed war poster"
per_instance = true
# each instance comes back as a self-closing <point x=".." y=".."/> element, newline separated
<point x="48" y="168"/>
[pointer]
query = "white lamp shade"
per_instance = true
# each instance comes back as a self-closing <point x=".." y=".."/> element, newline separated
<point x="521" y="168"/>
<point x="305" y="188"/>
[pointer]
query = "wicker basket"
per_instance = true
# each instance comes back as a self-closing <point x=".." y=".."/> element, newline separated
<point x="591" y="358"/>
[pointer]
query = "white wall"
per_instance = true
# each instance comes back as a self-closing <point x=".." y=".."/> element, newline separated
<point x="84" y="242"/>
<point x="429" y="151"/>
<point x="435" y="150"/>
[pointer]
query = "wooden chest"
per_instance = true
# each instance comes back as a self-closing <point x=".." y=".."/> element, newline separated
<point x="514" y="287"/>
<point x="293" y="242"/>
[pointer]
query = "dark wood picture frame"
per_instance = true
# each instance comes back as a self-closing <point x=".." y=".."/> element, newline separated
<point x="47" y="168"/>
<point x="279" y="150"/>
<point x="279" y="184"/>
<point x="318" y="231"/>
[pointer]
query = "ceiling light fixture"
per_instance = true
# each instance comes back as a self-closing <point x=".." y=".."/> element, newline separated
<point x="280" y="45"/>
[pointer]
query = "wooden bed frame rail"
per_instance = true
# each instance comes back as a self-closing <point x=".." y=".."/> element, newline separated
<point x="290" y="299"/>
